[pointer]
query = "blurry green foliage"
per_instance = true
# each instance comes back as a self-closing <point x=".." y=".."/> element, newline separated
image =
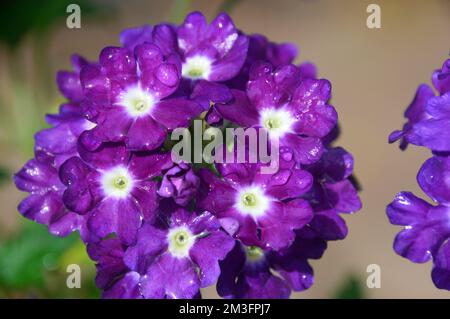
<point x="351" y="288"/>
<point x="4" y="175"/>
<point x="34" y="262"/>
<point x="228" y="5"/>
<point x="17" y="18"/>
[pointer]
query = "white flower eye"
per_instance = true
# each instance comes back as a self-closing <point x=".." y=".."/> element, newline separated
<point x="252" y="201"/>
<point x="137" y="102"/>
<point x="117" y="182"/>
<point x="276" y="121"/>
<point x="180" y="241"/>
<point x="197" y="67"/>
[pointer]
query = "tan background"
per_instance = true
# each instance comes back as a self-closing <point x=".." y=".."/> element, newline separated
<point x="374" y="74"/>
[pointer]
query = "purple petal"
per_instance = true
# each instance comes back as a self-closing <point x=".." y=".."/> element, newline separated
<point x="122" y="217"/>
<point x="441" y="78"/>
<point x="192" y="31"/>
<point x="441" y="268"/>
<point x="329" y="225"/>
<point x="176" y="112"/>
<point x="170" y="277"/>
<point x="430" y="133"/>
<point x="138" y="137"/>
<point x="206" y="93"/>
<point x="307" y="150"/>
<point x="207" y="252"/>
<point x="118" y="64"/>
<point x="108" y="254"/>
<point x="145" y="193"/>
<point x="132" y="37"/>
<point x="148" y="165"/>
<point x="150" y="242"/>
<point x="433" y="179"/>
<point x="230" y="65"/>
<point x="41" y="208"/>
<point x="125" y="288"/>
<point x="347" y="196"/>
<point x="107" y="156"/>
<point x="239" y="111"/>
<point x="407" y="209"/>
<point x="278" y="223"/>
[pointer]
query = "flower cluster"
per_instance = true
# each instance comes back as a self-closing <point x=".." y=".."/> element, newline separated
<point x="160" y="228"/>
<point x="427" y="226"/>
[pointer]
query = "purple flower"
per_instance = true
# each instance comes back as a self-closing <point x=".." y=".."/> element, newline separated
<point x="115" y="279"/>
<point x="114" y="188"/>
<point x="214" y="52"/>
<point x="261" y="49"/>
<point x="159" y="229"/>
<point x="427" y="227"/>
<point x="254" y="207"/>
<point x="44" y="205"/>
<point x="178" y="257"/>
<point x="426" y="230"/>
<point x="132" y="37"/>
<point x="249" y="271"/>
<point x="332" y="193"/>
<point x="291" y="108"/>
<point x="66" y="126"/>
<point x="180" y="183"/>
<point x="428" y="114"/>
<point x="127" y="95"/>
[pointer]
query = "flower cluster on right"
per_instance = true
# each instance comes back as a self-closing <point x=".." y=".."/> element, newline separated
<point x="426" y="230"/>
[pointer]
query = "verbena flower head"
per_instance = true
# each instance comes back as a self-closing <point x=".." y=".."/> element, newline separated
<point x="427" y="226"/>
<point x="159" y="227"/>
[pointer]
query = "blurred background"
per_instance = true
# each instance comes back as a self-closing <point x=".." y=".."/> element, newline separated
<point x="374" y="73"/>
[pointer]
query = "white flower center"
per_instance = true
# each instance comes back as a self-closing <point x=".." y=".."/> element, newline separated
<point x="117" y="182"/>
<point x="137" y="101"/>
<point x="252" y="201"/>
<point x="180" y="241"/>
<point x="276" y="121"/>
<point x="197" y="67"/>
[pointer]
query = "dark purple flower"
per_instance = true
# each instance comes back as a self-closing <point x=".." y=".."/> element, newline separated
<point x="69" y="81"/>
<point x="214" y="96"/>
<point x="332" y="193"/>
<point x="159" y="229"/>
<point x="428" y="115"/>
<point x="261" y="49"/>
<point x="132" y="37"/>
<point x="291" y="108"/>
<point x="114" y="187"/>
<point x="127" y="96"/>
<point x="441" y="78"/>
<point x="249" y="272"/>
<point x="44" y="205"/>
<point x="427" y="227"/>
<point x="180" y="183"/>
<point x="62" y="138"/>
<point x="66" y="126"/>
<point x="214" y="52"/>
<point x="115" y="279"/>
<point x="180" y="256"/>
<point x="253" y="206"/>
